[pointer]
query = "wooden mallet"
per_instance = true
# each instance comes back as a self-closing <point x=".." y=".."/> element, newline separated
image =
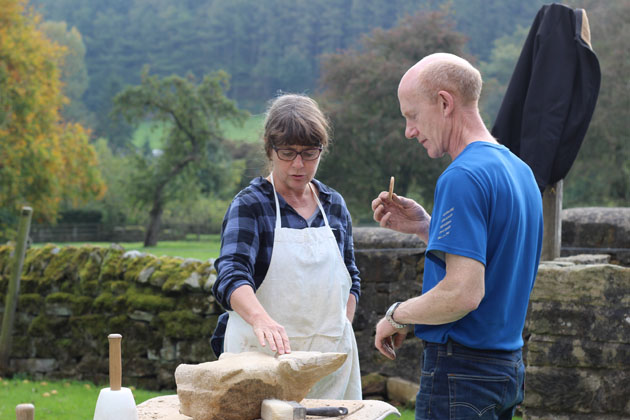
<point x="115" y="402"/>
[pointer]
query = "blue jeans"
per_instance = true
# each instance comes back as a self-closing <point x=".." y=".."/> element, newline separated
<point x="460" y="383"/>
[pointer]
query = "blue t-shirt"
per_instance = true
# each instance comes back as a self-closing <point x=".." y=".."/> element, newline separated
<point x="487" y="207"/>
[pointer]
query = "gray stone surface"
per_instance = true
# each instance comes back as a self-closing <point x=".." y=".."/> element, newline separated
<point x="578" y="352"/>
<point x="596" y="227"/>
<point x="379" y="238"/>
<point x="391" y="266"/>
<point x="582" y="259"/>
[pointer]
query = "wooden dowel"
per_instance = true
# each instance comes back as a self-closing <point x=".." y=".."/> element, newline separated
<point x="391" y="188"/>
<point x="115" y="362"/>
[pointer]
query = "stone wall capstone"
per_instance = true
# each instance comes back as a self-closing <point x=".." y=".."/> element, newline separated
<point x="597" y="230"/>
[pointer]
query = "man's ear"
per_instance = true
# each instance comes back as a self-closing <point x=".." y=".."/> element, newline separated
<point x="446" y="102"/>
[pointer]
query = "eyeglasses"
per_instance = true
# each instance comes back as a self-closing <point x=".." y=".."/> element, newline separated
<point x="290" y="154"/>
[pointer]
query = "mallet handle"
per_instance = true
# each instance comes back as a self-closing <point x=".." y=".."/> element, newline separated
<point x="115" y="363"/>
<point x="25" y="412"/>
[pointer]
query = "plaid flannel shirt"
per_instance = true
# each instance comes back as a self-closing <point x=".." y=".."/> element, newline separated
<point x="248" y="233"/>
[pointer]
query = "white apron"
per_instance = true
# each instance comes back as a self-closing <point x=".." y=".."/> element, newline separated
<point x="306" y="290"/>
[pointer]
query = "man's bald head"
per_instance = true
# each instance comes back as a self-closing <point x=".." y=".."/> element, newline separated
<point x="442" y="71"/>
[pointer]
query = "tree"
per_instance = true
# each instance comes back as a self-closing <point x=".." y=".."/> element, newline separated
<point x="192" y="141"/>
<point x="360" y="97"/>
<point x="74" y="76"/>
<point x="601" y="172"/>
<point x="498" y="70"/>
<point x="43" y="160"/>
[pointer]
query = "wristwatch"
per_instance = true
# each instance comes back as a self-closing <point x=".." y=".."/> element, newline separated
<point x="389" y="316"/>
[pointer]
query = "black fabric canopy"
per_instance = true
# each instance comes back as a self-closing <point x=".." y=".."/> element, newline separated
<point x="552" y="94"/>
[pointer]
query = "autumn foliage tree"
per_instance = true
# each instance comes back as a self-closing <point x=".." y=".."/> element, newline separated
<point x="44" y="161"/>
<point x="359" y="94"/>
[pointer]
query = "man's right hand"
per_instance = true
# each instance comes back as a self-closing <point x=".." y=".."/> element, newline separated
<point x="402" y="215"/>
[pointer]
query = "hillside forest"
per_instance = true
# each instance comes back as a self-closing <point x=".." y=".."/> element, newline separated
<point x="93" y="95"/>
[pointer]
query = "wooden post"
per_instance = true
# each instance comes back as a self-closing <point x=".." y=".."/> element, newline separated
<point x="25" y="412"/>
<point x="552" y="215"/>
<point x="13" y="290"/>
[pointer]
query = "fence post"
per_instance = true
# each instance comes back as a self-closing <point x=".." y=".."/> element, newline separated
<point x="14" y="289"/>
<point x="552" y="220"/>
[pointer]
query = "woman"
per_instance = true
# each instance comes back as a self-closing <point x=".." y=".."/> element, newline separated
<point x="286" y="273"/>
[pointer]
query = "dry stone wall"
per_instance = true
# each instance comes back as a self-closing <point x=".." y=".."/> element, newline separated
<point x="391" y="266"/>
<point x="578" y="352"/>
<point x="578" y="328"/>
<point x="597" y="230"/>
<point x="72" y="298"/>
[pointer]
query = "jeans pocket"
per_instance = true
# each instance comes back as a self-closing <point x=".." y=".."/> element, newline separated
<point x="476" y="397"/>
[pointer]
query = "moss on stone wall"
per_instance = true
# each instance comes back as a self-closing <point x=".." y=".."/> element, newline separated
<point x="30" y="303"/>
<point x="72" y="298"/>
<point x="143" y="299"/>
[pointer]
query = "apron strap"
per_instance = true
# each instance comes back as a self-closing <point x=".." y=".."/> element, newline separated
<point x="275" y="195"/>
<point x="278" y="214"/>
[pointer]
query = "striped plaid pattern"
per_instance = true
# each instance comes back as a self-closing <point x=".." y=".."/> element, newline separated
<point x="248" y="232"/>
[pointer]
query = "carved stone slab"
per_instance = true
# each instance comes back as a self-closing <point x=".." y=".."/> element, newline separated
<point x="233" y="387"/>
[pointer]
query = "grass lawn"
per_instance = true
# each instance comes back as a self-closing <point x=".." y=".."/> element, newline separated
<point x="207" y="247"/>
<point x="57" y="400"/>
<point x="250" y="132"/>
<point x="62" y="400"/>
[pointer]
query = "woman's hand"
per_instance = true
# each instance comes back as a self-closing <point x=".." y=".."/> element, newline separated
<point x="243" y="300"/>
<point x="402" y="215"/>
<point x="269" y="331"/>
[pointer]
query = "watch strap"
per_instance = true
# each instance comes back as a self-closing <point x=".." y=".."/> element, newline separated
<point x="390" y="316"/>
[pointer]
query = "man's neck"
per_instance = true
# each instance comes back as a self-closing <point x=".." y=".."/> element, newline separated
<point x="471" y="129"/>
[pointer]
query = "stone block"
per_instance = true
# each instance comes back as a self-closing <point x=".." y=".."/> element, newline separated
<point x="568" y="390"/>
<point x="576" y="352"/>
<point x="533" y="414"/>
<point x="33" y="365"/>
<point x="234" y="387"/>
<point x="402" y="390"/>
<point x="374" y="384"/>
<point x="586" y="259"/>
<point x="195" y="351"/>
<point x="596" y="227"/>
<point x="596" y="323"/>
<point x="600" y="285"/>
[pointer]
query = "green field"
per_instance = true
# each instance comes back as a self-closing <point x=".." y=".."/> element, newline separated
<point x="152" y="132"/>
<point x="57" y="400"/>
<point x="61" y="400"/>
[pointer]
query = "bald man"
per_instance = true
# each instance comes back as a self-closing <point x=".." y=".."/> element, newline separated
<point x="483" y="250"/>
